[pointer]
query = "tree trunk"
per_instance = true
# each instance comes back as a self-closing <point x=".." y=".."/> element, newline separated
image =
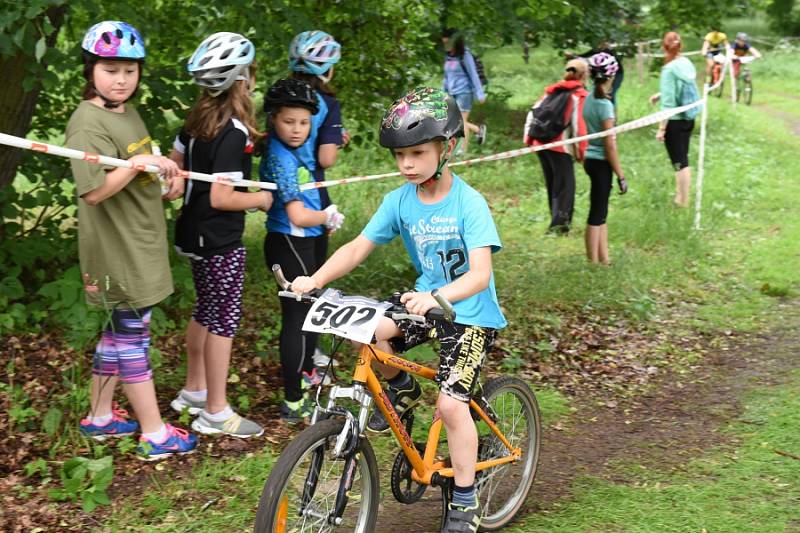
<point x="16" y="105"/>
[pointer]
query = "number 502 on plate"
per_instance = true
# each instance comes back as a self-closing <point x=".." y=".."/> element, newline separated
<point x="351" y="317"/>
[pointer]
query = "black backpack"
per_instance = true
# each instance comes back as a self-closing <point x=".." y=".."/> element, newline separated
<point x="478" y="68"/>
<point x="546" y="117"/>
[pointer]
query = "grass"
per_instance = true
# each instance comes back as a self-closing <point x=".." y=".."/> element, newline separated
<point x="750" y="488"/>
<point x="730" y="273"/>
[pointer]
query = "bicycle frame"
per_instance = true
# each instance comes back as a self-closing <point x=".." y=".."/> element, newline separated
<point x="425" y="468"/>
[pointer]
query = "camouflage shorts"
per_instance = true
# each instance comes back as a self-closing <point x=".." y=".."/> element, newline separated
<point x="461" y="353"/>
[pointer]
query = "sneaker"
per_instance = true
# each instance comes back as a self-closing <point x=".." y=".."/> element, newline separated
<point x="235" y="426"/>
<point x="402" y="400"/>
<point x="321" y="359"/>
<point x="182" y="402"/>
<point x="316" y="378"/>
<point x="119" y="426"/>
<point x="481" y="134"/>
<point x="179" y="441"/>
<point x="294" y="412"/>
<point x="462" y="519"/>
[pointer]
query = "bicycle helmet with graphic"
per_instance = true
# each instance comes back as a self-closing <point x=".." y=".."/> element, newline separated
<point x="742" y="36"/>
<point x="113" y="39"/>
<point x="314" y="52"/>
<point x="221" y="60"/>
<point x="290" y="93"/>
<point x="422" y="115"/>
<point x="603" y="66"/>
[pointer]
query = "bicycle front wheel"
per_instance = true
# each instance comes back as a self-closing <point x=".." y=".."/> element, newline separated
<point x="748" y="91"/>
<point x="718" y="91"/>
<point x="502" y="490"/>
<point x="300" y="494"/>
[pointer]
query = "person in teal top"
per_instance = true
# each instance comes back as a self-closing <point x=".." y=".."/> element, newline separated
<point x="450" y="236"/>
<point x="676" y="132"/>
<point x="601" y="158"/>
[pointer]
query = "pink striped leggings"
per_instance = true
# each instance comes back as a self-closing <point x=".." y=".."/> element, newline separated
<point x="124" y="345"/>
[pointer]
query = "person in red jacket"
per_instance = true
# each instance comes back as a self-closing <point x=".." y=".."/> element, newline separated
<point x="557" y="162"/>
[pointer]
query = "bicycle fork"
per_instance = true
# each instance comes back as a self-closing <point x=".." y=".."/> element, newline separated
<point x="346" y="447"/>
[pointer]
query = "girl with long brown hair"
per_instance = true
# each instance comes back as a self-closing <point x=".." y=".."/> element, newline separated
<point x="217" y="138"/>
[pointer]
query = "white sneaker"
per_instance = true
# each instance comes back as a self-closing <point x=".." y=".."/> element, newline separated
<point x="235" y="426"/>
<point x="181" y="402"/>
<point x="321" y="359"/>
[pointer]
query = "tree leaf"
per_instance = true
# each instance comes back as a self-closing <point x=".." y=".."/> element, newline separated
<point x="41" y="48"/>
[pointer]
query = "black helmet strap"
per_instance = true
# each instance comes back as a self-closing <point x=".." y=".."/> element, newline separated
<point x="443" y="159"/>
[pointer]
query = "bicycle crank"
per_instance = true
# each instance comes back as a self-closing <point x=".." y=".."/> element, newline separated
<point x="404" y="488"/>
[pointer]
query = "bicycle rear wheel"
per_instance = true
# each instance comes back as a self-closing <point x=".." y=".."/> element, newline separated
<point x="502" y="490"/>
<point x="306" y="471"/>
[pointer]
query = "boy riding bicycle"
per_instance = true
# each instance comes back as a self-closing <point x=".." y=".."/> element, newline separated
<point x="714" y="43"/>
<point x="742" y="48"/>
<point x="449" y="233"/>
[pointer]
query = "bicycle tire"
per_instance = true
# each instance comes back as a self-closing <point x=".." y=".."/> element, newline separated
<point x="515" y="478"/>
<point x="270" y="509"/>
<point x="748" y="92"/>
<point x="718" y="91"/>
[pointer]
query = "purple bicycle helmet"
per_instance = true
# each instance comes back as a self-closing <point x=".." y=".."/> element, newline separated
<point x="603" y="66"/>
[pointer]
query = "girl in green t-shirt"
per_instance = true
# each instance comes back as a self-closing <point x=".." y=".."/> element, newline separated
<point x="122" y="239"/>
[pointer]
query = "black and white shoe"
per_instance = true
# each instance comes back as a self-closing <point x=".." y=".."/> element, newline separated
<point x="462" y="519"/>
<point x="403" y="399"/>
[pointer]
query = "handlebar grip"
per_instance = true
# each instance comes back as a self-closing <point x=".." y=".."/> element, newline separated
<point x="436" y="315"/>
<point x="283" y="283"/>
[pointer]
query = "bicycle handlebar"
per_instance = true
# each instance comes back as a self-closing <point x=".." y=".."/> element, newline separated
<point x="444" y="313"/>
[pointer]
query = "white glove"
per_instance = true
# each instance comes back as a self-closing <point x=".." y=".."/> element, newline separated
<point x="335" y="218"/>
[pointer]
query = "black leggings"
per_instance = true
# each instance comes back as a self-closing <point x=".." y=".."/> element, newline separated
<point x="298" y="256"/>
<point x="559" y="179"/>
<point x="600" y="174"/>
<point x="676" y="139"/>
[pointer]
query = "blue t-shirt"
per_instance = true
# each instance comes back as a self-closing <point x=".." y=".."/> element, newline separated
<point x="438" y="238"/>
<point x="595" y="111"/>
<point x="281" y="166"/>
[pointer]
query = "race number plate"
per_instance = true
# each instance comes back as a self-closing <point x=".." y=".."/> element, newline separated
<point x="351" y="317"/>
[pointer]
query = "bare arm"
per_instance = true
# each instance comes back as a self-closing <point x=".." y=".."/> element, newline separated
<point x="300" y="215"/>
<point x="326" y="156"/>
<point x="610" y="143"/>
<point x="117" y="179"/>
<point x="342" y="262"/>
<point x="472" y="282"/>
<point x="225" y="198"/>
<point x="755" y="52"/>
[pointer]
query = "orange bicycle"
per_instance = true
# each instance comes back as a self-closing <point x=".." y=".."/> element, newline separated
<point x="327" y="477"/>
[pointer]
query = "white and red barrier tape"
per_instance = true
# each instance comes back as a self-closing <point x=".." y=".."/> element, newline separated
<point x="44" y="148"/>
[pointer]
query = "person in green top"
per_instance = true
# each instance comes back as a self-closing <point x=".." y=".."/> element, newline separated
<point x="676" y="132"/>
<point x="122" y="238"/>
<point x="601" y="156"/>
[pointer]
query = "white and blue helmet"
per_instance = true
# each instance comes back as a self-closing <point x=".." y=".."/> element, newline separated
<point x="221" y="59"/>
<point x="113" y="39"/>
<point x="314" y="52"/>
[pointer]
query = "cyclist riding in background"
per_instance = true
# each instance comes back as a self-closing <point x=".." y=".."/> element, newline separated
<point x="741" y="48"/>
<point x="715" y="42"/>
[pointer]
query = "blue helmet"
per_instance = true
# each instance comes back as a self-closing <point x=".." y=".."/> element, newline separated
<point x="112" y="39"/>
<point x="314" y="52"/>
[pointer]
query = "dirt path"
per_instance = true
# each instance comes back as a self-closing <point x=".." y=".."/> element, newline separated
<point x="677" y="420"/>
